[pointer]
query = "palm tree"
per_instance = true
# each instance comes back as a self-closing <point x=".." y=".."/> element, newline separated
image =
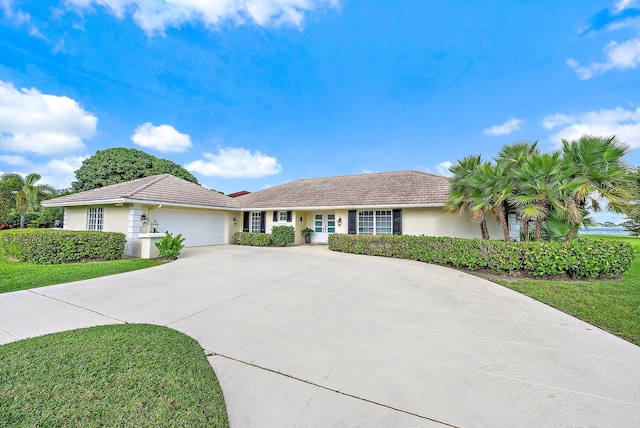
<point x="492" y="187"/>
<point x="462" y="192"/>
<point x="514" y="155"/>
<point x="23" y="193"/>
<point x="602" y="174"/>
<point x="545" y="185"/>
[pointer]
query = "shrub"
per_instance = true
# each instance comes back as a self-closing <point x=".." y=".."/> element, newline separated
<point x="283" y="236"/>
<point x="170" y="246"/>
<point x="44" y="246"/>
<point x="581" y="258"/>
<point x="252" y="239"/>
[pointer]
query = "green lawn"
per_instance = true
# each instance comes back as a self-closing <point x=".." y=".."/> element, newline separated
<point x="116" y="375"/>
<point x="613" y="305"/>
<point x="16" y="276"/>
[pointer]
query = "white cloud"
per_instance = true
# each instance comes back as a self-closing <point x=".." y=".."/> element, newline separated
<point x="623" y="123"/>
<point x="620" y="56"/>
<point x="31" y="121"/>
<point x="58" y="173"/>
<point x="505" y="129"/>
<point x="621" y="5"/>
<point x="164" y="138"/>
<point x="235" y="163"/>
<point x="155" y="16"/>
<point x="443" y="168"/>
<point x="13" y="160"/>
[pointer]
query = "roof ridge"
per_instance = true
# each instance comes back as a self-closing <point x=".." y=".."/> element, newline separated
<point x="144" y="186"/>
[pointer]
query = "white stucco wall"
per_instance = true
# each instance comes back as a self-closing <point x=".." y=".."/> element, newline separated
<point x="116" y="219"/>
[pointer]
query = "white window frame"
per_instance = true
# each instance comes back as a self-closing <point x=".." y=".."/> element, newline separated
<point x="282" y="216"/>
<point x="256" y="222"/>
<point x="375" y="222"/>
<point x="95" y="218"/>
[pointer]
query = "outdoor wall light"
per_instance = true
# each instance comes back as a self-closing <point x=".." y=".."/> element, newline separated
<point x="300" y="219"/>
<point x="339" y="221"/>
<point x="143" y="217"/>
<point x="235" y="221"/>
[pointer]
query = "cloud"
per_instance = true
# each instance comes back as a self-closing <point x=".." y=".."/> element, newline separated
<point x="31" y="121"/>
<point x="58" y="173"/>
<point x="164" y="138"/>
<point x="623" y="123"/>
<point x="505" y="129"/>
<point x="620" y="56"/>
<point x="235" y="163"/>
<point x="155" y="16"/>
<point x="443" y="168"/>
<point x="13" y="160"/>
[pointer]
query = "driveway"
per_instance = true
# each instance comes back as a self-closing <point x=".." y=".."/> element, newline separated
<point x="305" y="337"/>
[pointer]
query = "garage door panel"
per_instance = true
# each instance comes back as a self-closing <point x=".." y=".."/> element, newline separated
<point x="197" y="227"/>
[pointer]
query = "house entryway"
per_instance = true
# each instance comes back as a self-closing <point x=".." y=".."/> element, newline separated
<point x="324" y="223"/>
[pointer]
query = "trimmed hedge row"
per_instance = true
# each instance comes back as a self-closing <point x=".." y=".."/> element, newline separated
<point x="580" y="258"/>
<point x="45" y="246"/>
<point x="280" y="236"/>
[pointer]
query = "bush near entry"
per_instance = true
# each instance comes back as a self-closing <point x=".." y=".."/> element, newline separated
<point x="580" y="258"/>
<point x="45" y="246"/>
<point x="283" y="236"/>
<point x="252" y="239"/>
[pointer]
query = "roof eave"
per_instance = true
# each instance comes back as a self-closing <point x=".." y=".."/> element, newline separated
<point x="136" y="201"/>
<point x="342" y="207"/>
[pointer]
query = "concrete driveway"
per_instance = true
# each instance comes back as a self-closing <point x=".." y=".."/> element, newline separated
<point x="305" y="337"/>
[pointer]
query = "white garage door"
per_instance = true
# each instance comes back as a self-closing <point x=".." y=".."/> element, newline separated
<point x="197" y="227"/>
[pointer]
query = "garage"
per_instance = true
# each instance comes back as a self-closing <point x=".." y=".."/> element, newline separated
<point x="198" y="227"/>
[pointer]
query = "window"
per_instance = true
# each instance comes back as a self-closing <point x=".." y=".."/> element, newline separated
<point x="256" y="222"/>
<point x="384" y="223"/>
<point x="365" y="223"/>
<point x="95" y="218"/>
<point x="282" y="216"/>
<point x="375" y="222"/>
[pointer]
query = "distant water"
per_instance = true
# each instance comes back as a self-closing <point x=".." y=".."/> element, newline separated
<point x="604" y="231"/>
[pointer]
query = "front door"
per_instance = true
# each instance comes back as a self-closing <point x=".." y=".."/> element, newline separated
<point x="323" y="225"/>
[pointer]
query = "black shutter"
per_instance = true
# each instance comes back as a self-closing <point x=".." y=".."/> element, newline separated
<point x="352" y="229"/>
<point x="288" y="216"/>
<point x="275" y="216"/>
<point x="246" y="227"/>
<point x="397" y="222"/>
<point x="263" y="219"/>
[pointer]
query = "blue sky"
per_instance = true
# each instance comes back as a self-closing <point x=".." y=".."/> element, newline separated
<point x="248" y="94"/>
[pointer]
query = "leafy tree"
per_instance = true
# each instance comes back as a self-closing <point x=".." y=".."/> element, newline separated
<point x="602" y="174"/>
<point x="463" y="193"/>
<point x="118" y="165"/>
<point x="632" y="222"/>
<point x="23" y="194"/>
<point x="492" y="187"/>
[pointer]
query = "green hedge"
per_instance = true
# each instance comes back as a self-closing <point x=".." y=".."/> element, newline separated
<point x="283" y="236"/>
<point x="280" y="236"/>
<point x="44" y="246"/>
<point x="252" y="239"/>
<point x="581" y="258"/>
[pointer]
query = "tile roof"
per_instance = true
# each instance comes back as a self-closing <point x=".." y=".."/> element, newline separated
<point x="162" y="188"/>
<point x="362" y="190"/>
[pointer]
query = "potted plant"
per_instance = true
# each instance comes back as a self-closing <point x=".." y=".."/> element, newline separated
<point x="306" y="232"/>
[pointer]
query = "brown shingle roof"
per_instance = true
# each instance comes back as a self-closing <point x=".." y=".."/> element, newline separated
<point x="363" y="190"/>
<point x="162" y="188"/>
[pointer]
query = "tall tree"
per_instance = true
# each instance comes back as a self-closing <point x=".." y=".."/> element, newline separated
<point x="118" y="165"/>
<point x="462" y="194"/>
<point x="602" y="175"/>
<point x="492" y="187"/>
<point x="545" y="184"/>
<point x="24" y="194"/>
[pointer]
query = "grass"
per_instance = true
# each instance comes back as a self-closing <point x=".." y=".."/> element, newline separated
<point x="16" y="276"/>
<point x="612" y="305"/>
<point x="116" y="375"/>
